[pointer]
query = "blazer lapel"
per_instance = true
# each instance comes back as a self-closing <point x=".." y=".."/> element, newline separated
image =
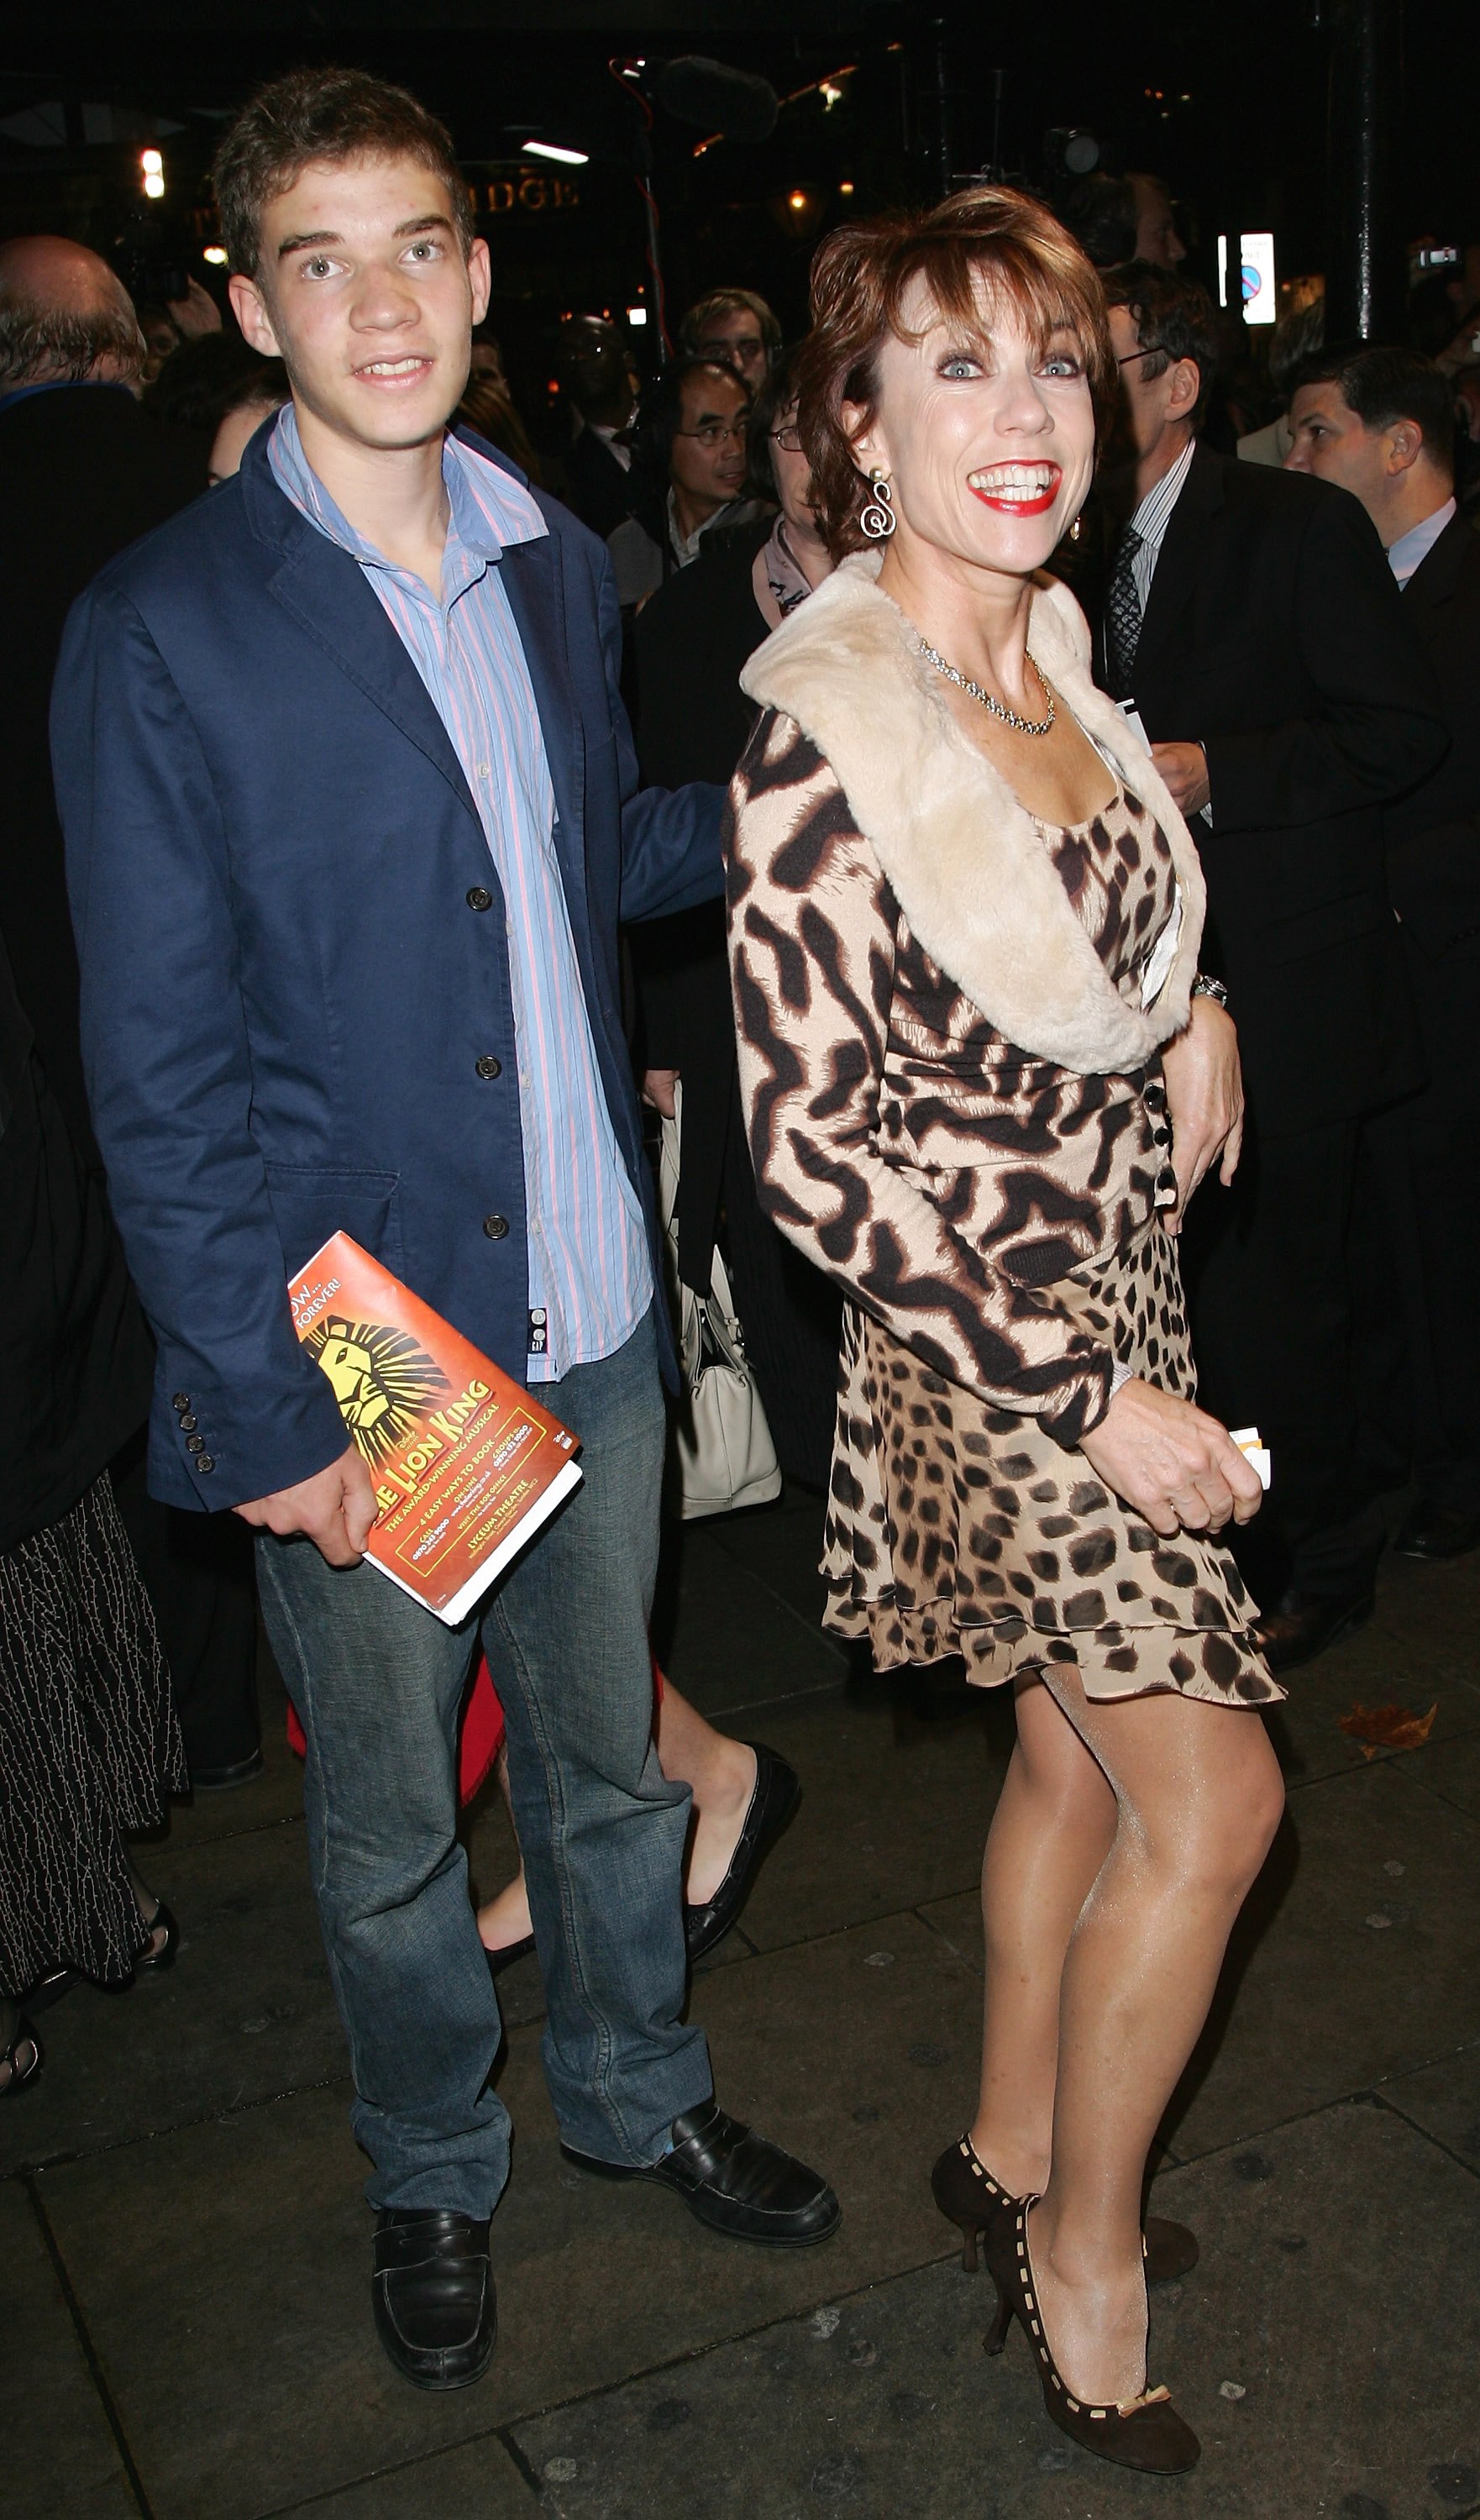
<point x="325" y="591"/>
<point x="532" y="582"/>
<point x="1180" y="560"/>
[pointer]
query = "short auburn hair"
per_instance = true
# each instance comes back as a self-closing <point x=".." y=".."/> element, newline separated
<point x="314" y="116"/>
<point x="989" y="241"/>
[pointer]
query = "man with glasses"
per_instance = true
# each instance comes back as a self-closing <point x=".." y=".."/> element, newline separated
<point x="690" y="465"/>
<point x="737" y="326"/>
<point x="1253" y="622"/>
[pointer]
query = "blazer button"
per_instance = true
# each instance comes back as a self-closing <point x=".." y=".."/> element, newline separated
<point x="188" y="1424"/>
<point x="181" y="1400"/>
<point x="204" y="1463"/>
<point x="489" y="1067"/>
<point x="495" y="1226"/>
<point x="194" y="1443"/>
<point x="480" y="897"/>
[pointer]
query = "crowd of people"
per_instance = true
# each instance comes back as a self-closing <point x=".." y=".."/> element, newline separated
<point x="1029" y="797"/>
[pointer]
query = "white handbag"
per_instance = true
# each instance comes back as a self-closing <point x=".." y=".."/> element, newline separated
<point x="725" y="1456"/>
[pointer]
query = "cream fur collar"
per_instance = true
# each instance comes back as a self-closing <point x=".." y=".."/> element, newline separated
<point x="964" y="860"/>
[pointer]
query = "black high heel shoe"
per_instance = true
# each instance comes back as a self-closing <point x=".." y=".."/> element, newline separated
<point x="1145" y="2433"/>
<point x="969" y="2196"/>
<point x="164" y="1957"/>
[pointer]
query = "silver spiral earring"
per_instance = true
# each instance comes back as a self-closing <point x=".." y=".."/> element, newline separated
<point x="878" y="519"/>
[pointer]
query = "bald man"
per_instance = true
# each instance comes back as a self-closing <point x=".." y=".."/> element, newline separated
<point x="85" y="472"/>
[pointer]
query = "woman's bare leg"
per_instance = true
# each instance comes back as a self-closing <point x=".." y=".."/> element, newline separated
<point x="721" y="1776"/>
<point x="1198" y="1799"/>
<point x="1051" y="1833"/>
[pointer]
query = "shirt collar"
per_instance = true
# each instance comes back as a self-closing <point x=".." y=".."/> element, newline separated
<point x="686" y="546"/>
<point x="490" y="511"/>
<point x="1150" y="521"/>
<point x="1411" y="550"/>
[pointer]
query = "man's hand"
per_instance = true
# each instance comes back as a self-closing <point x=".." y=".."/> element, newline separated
<point x="657" y="1089"/>
<point x="336" y="1509"/>
<point x="195" y="313"/>
<point x="1171" y="1462"/>
<point x="1205" y="1100"/>
<point x="1184" y="769"/>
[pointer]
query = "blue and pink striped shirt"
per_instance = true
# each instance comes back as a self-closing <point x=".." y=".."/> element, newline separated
<point x="590" y="1276"/>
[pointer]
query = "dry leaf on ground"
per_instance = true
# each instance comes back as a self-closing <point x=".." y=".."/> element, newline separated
<point x="1387" y="1728"/>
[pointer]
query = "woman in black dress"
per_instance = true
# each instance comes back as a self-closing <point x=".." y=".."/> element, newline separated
<point x="89" y="1740"/>
<point x="690" y="642"/>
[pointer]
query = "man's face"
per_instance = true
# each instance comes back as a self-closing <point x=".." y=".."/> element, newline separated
<point x="1146" y="401"/>
<point x="1331" y="442"/>
<point x="737" y="339"/>
<point x="1156" y="236"/>
<point x="364" y="291"/>
<point x="708" y="458"/>
<point x="487" y="367"/>
<point x="595" y="359"/>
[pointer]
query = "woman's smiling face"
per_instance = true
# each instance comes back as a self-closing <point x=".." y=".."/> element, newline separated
<point x="988" y="440"/>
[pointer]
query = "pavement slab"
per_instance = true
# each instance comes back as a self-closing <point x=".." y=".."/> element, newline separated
<point x="476" y="2480"/>
<point x="245" y="2011"/>
<point x="729" y="1641"/>
<point x="58" y="2456"/>
<point x="1324" y="2352"/>
<point x="1444" y="2100"/>
<point x="1357" y="1956"/>
<point x="222" y="2271"/>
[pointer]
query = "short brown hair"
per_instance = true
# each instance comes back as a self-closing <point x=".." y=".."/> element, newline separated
<point x="720" y="302"/>
<point x="308" y="118"/>
<point x="860" y="277"/>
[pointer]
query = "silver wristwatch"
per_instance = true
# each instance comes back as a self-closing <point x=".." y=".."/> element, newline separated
<point x="1205" y="986"/>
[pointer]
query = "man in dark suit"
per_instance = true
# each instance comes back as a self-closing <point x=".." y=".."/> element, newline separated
<point x="594" y="367"/>
<point x="352" y="814"/>
<point x="1381" y="422"/>
<point x="83" y="472"/>
<point x="1253" y="619"/>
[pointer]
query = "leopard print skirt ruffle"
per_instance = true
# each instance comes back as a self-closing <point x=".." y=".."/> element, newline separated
<point x="955" y="1528"/>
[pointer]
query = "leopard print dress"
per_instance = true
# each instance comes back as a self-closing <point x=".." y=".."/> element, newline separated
<point x="962" y="1520"/>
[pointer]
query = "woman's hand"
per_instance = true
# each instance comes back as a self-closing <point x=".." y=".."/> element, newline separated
<point x="657" y="1090"/>
<point x="1171" y="1462"/>
<point x="1205" y="1100"/>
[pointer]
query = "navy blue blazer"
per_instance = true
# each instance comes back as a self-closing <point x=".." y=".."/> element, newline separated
<point x="294" y="955"/>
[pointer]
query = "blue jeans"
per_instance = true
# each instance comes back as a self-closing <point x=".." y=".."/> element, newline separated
<point x="376" y="1682"/>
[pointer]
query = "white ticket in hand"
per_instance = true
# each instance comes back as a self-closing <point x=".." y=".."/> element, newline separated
<point x="1247" y="1440"/>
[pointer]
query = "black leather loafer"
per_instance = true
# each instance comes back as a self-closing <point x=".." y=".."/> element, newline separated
<point x="433" y="2296"/>
<point x="1302" y="1626"/>
<point x="735" y="2181"/>
<point x="1433" y="1531"/>
<point x="776" y="1794"/>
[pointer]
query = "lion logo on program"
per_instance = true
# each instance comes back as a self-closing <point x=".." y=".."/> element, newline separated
<point x="381" y="1380"/>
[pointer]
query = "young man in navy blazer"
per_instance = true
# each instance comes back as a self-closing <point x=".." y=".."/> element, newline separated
<point x="351" y="819"/>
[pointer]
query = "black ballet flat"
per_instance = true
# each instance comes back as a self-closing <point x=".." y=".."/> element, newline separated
<point x="777" y="1791"/>
<point x="507" y="1953"/>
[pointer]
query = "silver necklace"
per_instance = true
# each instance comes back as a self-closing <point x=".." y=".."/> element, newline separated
<point x="974" y="691"/>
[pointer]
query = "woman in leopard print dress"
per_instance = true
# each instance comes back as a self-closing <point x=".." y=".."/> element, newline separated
<point x="964" y="916"/>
